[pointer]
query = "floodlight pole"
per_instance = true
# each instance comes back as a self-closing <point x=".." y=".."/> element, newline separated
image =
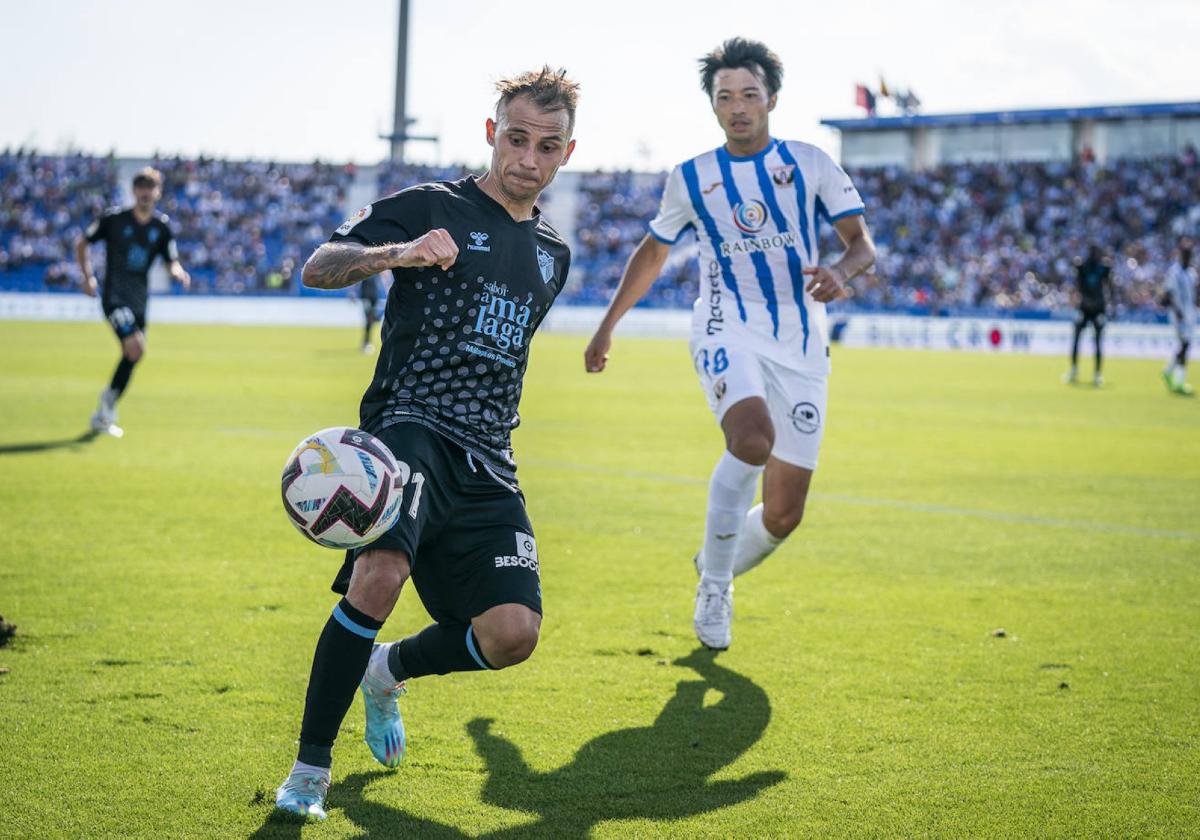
<point x="400" y="118"/>
<point x="399" y="115"/>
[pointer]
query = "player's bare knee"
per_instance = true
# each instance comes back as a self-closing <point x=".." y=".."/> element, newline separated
<point x="376" y="581"/>
<point x="782" y="521"/>
<point x="508" y="634"/>
<point x="134" y="350"/>
<point x="753" y="447"/>
<point x="513" y="646"/>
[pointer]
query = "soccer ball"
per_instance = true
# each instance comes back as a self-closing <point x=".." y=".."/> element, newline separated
<point x="340" y="488"/>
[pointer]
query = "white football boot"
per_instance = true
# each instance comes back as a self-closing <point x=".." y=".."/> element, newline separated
<point x="714" y="614"/>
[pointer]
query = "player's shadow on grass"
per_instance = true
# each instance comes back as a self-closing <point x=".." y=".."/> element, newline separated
<point x="657" y="772"/>
<point x="44" y="445"/>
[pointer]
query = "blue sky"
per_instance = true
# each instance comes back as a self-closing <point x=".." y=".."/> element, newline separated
<point x="304" y="79"/>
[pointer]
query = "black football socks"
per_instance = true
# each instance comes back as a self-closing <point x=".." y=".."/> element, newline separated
<point x="120" y="378"/>
<point x="338" y="666"/>
<point x="438" y="649"/>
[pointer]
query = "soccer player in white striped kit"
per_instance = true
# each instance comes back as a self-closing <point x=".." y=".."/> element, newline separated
<point x="759" y="336"/>
<point x="1181" y="305"/>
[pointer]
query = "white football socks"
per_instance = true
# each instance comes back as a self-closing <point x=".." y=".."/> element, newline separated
<point x="730" y="493"/>
<point x="755" y="542"/>
<point x="377" y="666"/>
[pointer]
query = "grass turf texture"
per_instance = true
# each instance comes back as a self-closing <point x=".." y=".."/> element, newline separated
<point x="168" y="610"/>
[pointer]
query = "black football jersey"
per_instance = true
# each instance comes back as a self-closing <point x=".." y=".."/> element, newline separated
<point x="1093" y="277"/>
<point x="131" y="248"/>
<point x="455" y="343"/>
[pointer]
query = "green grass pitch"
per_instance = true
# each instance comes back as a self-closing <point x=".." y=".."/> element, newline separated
<point x="167" y="610"/>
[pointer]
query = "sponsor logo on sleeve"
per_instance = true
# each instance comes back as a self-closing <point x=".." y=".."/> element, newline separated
<point x="349" y="224"/>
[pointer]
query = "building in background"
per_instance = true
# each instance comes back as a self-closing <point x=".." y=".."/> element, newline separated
<point x="922" y="141"/>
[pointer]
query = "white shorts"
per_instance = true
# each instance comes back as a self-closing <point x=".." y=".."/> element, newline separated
<point x="730" y="373"/>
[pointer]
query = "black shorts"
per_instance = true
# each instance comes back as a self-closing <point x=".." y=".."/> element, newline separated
<point x="466" y="533"/>
<point x="124" y="320"/>
<point x="1095" y="317"/>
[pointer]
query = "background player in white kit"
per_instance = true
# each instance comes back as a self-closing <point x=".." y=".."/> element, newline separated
<point x="1181" y="303"/>
<point x="759" y="337"/>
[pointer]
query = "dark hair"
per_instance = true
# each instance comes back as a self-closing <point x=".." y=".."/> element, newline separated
<point x="549" y="89"/>
<point x="742" y="52"/>
<point x="147" y="177"/>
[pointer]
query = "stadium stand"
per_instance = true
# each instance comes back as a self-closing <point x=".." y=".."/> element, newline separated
<point x="45" y="202"/>
<point x="962" y="238"/>
<point x="246" y="227"/>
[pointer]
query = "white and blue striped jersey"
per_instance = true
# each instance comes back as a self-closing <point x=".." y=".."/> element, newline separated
<point x="756" y="219"/>
<point x="1181" y="283"/>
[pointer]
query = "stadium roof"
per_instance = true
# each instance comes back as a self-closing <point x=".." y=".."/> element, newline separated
<point x="1036" y="115"/>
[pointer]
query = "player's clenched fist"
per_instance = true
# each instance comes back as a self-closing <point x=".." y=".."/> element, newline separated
<point x="596" y="354"/>
<point x="433" y="248"/>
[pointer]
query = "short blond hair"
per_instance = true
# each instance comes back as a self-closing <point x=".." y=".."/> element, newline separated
<point x="547" y="88"/>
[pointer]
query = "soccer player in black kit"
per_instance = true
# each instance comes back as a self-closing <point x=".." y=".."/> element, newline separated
<point x="369" y="293"/>
<point x="134" y="237"/>
<point x="475" y="270"/>
<point x="1095" y="290"/>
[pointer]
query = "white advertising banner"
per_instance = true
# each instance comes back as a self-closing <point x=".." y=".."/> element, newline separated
<point x="998" y="335"/>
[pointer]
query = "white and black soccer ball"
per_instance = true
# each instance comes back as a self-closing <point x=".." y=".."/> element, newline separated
<point x="339" y="488"/>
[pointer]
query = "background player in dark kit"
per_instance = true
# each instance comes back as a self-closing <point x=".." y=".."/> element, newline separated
<point x="1095" y="292"/>
<point x="369" y="293"/>
<point x="475" y="270"/>
<point x="134" y="237"/>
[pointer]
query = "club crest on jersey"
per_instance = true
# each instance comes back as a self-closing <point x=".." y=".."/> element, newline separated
<point x="349" y="224"/>
<point x="750" y="216"/>
<point x="545" y="265"/>
<point x="783" y="175"/>
<point x="478" y="238"/>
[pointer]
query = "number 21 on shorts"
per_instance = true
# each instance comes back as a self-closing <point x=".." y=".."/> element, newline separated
<point x="404" y="477"/>
<point x="714" y="364"/>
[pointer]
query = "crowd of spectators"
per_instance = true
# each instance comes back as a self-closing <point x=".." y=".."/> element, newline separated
<point x="246" y="226"/>
<point x="393" y="177"/>
<point x="985" y="236"/>
<point x="967" y="237"/>
<point x="46" y="201"/>
<point x="1006" y="236"/>
<point x="613" y="209"/>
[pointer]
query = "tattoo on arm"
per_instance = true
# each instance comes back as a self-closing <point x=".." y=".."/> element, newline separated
<point x="336" y="265"/>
